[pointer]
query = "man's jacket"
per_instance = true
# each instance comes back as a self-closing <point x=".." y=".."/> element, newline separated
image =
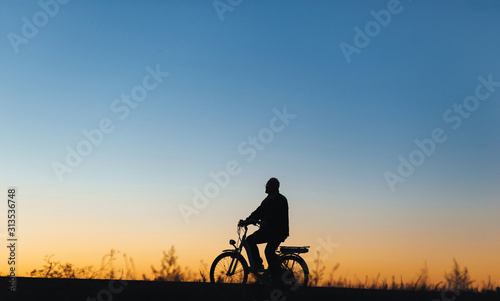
<point x="273" y="216"/>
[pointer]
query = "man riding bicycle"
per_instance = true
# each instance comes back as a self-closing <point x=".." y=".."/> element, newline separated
<point x="273" y="217"/>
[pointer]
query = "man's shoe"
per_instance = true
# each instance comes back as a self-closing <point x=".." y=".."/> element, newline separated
<point x="266" y="277"/>
<point x="259" y="268"/>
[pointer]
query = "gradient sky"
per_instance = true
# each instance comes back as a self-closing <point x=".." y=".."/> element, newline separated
<point x="228" y="74"/>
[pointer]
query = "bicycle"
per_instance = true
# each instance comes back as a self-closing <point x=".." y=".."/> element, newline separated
<point x="231" y="267"/>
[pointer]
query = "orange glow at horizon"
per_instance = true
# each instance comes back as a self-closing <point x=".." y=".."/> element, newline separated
<point x="367" y="241"/>
<point x="357" y="259"/>
<point x="353" y="268"/>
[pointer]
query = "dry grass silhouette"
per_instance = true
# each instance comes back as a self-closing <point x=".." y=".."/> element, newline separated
<point x="56" y="269"/>
<point x="170" y="270"/>
<point x="457" y="279"/>
<point x="204" y="271"/>
<point x="317" y="271"/>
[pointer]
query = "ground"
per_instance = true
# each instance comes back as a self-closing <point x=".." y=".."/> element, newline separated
<point x="84" y="289"/>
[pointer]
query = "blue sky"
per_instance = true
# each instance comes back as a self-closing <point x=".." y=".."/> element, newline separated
<point x="225" y="78"/>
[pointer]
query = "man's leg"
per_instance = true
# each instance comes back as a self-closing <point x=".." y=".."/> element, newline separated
<point x="255" y="238"/>
<point x="273" y="258"/>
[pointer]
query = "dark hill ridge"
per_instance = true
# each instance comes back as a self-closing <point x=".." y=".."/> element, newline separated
<point x="91" y="289"/>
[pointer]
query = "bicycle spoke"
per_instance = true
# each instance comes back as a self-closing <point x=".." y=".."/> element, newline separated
<point x="294" y="272"/>
<point x="225" y="273"/>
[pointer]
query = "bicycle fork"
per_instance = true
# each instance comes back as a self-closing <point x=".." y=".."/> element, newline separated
<point x="232" y="265"/>
<point x="235" y="257"/>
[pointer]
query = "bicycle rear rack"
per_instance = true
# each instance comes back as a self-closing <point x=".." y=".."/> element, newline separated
<point x="287" y="250"/>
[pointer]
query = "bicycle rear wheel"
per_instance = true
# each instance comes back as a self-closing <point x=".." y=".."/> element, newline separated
<point x="229" y="268"/>
<point x="295" y="270"/>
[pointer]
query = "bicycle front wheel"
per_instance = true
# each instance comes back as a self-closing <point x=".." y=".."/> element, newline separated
<point x="229" y="268"/>
<point x="295" y="270"/>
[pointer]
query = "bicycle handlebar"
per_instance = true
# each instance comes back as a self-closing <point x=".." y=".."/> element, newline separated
<point x="244" y="223"/>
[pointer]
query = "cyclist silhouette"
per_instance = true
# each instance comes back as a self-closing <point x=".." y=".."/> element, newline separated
<point x="273" y="216"/>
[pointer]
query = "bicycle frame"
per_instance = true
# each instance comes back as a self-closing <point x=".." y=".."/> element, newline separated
<point x="237" y="251"/>
<point x="243" y="244"/>
<point x="235" y="263"/>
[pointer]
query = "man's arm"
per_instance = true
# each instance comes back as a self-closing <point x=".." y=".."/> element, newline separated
<point x="257" y="214"/>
